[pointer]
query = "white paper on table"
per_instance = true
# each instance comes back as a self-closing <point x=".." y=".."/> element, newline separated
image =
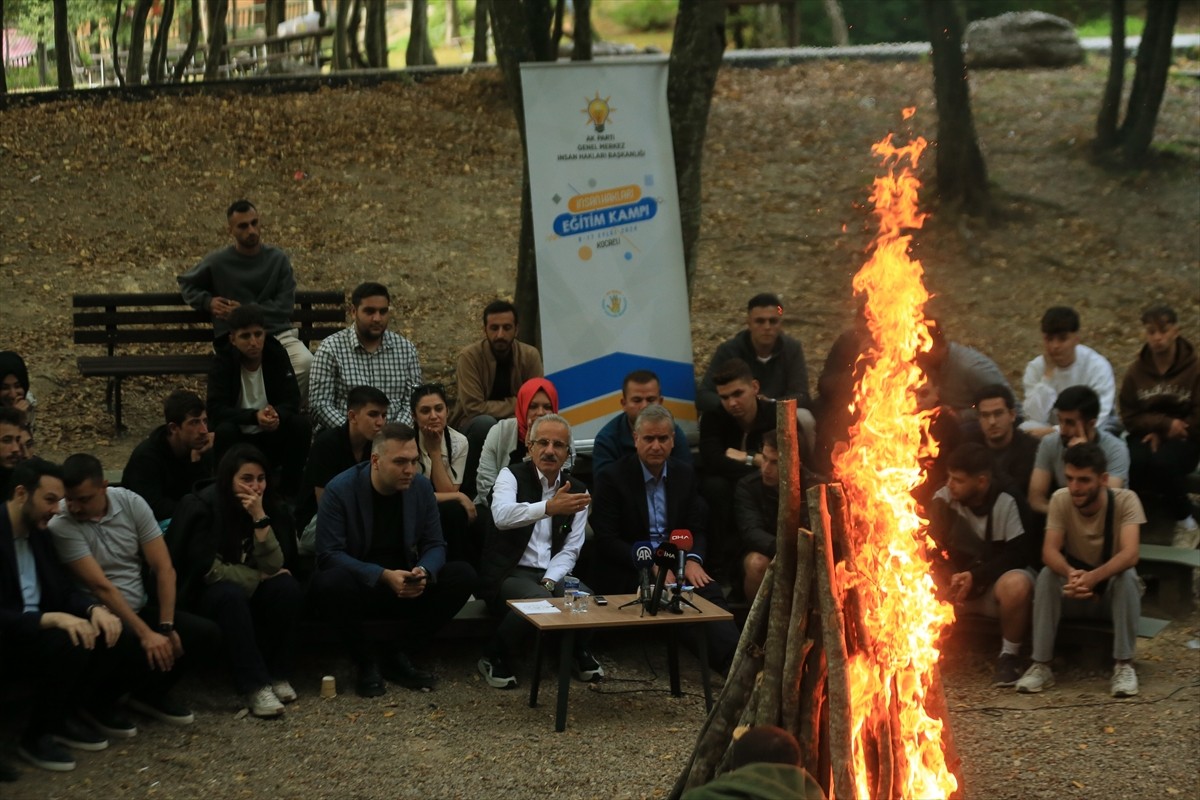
<point x="538" y="607"/>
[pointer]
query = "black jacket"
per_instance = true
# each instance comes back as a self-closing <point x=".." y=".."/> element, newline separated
<point x="225" y="385"/>
<point x="161" y="479"/>
<point x="719" y="431"/>
<point x="58" y="594"/>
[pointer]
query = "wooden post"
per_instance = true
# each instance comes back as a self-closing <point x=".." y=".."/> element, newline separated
<point x="841" y="746"/>
<point x="793" y="662"/>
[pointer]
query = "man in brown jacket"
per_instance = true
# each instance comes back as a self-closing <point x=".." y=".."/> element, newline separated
<point x="489" y="374"/>
<point x="1160" y="406"/>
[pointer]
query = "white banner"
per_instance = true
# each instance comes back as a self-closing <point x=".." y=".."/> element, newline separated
<point x="606" y="226"/>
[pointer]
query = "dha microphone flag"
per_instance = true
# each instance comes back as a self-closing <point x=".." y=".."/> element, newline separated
<point x="683" y="540"/>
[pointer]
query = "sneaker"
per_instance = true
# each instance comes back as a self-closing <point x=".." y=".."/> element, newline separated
<point x="587" y="668"/>
<point x="284" y="691"/>
<point x="111" y="722"/>
<point x="44" y="752"/>
<point x="1035" y="679"/>
<point x="78" y="735"/>
<point x="370" y="682"/>
<point x="496" y="673"/>
<point x="1008" y="670"/>
<point x="399" y="669"/>
<point x="1124" y="680"/>
<point x="1185" y="537"/>
<point x="163" y="709"/>
<point x="263" y="703"/>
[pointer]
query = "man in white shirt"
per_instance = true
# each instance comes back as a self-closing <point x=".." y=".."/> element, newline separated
<point x="1064" y="363"/>
<point x="540" y="513"/>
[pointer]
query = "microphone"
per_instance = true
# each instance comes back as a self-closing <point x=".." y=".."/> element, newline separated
<point x="664" y="557"/>
<point x="683" y="541"/>
<point x="643" y="557"/>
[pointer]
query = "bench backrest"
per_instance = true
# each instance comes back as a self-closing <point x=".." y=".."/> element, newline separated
<point x="163" y="318"/>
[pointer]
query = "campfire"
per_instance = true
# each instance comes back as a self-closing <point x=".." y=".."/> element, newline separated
<point x="840" y="646"/>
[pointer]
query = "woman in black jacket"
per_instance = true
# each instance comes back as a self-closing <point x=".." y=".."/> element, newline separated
<point x="229" y="543"/>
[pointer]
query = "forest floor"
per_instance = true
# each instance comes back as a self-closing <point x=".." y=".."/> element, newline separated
<point x="417" y="185"/>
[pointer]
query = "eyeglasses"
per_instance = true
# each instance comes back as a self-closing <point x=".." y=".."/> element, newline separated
<point x="557" y="445"/>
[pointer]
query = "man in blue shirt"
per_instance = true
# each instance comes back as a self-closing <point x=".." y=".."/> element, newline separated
<point x="640" y="388"/>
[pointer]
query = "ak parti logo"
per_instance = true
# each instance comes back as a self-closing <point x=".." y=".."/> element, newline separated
<point x="598" y="111"/>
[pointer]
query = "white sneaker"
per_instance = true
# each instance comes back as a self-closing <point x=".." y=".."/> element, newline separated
<point x="1124" y="680"/>
<point x="284" y="691"/>
<point x="264" y="703"/>
<point x="1036" y="678"/>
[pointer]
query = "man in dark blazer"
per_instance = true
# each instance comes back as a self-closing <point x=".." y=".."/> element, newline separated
<point x="381" y="554"/>
<point x="645" y="496"/>
<point x="253" y="397"/>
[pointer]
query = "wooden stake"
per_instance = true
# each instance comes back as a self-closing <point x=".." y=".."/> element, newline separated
<point x="833" y="634"/>
<point x="794" y="661"/>
<point x="935" y="706"/>
<point x="812" y="700"/>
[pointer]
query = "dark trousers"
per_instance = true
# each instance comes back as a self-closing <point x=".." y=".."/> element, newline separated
<point x="259" y="631"/>
<point x="523" y="583"/>
<point x="724" y="549"/>
<point x="200" y="638"/>
<point x="1164" y="473"/>
<point x="464" y="542"/>
<point x="54" y="671"/>
<point x="345" y="602"/>
<point x="476" y="433"/>
<point x="286" y="448"/>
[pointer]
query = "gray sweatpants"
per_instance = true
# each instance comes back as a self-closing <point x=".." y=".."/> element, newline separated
<point x="1121" y="603"/>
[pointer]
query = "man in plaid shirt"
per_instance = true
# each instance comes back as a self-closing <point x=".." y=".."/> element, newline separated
<point x="364" y="354"/>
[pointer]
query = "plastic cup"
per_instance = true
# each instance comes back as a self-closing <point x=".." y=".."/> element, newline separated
<point x="582" y="601"/>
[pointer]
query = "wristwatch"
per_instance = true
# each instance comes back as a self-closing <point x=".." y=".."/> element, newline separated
<point x="549" y="585"/>
<point x="749" y="459"/>
<point x="262" y="522"/>
<point x="166" y="627"/>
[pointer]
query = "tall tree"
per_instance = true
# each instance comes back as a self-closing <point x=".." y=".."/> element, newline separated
<point x="583" y="31"/>
<point x="419" y="52"/>
<point x="275" y="13"/>
<point x="341" y="39"/>
<point x="3" y="51"/>
<point x="377" y="44"/>
<point x="697" y="48"/>
<point x="453" y="26"/>
<point x="137" y="41"/>
<point x="479" y="54"/>
<point x="193" y="40"/>
<point x="218" y="10"/>
<point x="62" y="46"/>
<point x="837" y="22"/>
<point x="352" y="26"/>
<point x="1153" y="61"/>
<point x="961" y="173"/>
<point x="158" y="53"/>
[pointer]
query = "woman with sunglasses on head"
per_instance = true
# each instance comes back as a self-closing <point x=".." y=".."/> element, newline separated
<point x="229" y="543"/>
<point x="443" y="454"/>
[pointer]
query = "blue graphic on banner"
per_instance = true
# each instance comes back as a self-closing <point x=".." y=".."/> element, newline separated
<point x="587" y="221"/>
<point x="599" y="377"/>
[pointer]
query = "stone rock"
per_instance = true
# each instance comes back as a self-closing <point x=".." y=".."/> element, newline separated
<point x="1022" y="39"/>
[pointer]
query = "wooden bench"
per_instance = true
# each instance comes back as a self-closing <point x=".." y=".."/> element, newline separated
<point x="156" y="324"/>
<point x="1173" y="568"/>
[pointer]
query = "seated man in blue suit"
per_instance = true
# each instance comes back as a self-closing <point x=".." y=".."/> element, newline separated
<point x="645" y="496"/>
<point x="381" y="554"/>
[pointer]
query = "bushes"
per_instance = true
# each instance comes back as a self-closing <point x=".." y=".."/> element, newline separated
<point x="645" y="15"/>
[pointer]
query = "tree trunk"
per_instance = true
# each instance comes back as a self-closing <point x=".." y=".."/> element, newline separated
<point x="583" y="31"/>
<point x="377" y="44"/>
<point x="453" y="28"/>
<point x="419" y="53"/>
<point x="193" y="40"/>
<point x="116" y="54"/>
<point x="3" y="73"/>
<point x="837" y="22"/>
<point x="356" y="57"/>
<point x="158" y="54"/>
<point x="520" y="36"/>
<point x="961" y="172"/>
<point x="323" y="16"/>
<point x="341" y="45"/>
<point x="62" y="46"/>
<point x="560" y="10"/>
<point x="43" y="70"/>
<point x="1110" y="105"/>
<point x="1149" y="80"/>
<point x="137" y="41"/>
<point x="275" y="14"/>
<point x="696" y="51"/>
<point x="217" y="37"/>
<point x="479" y="54"/>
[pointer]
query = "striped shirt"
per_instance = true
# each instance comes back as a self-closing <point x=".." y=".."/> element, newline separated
<point x="341" y="363"/>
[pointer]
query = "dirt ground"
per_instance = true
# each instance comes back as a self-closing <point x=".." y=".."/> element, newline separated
<point x="417" y="185"/>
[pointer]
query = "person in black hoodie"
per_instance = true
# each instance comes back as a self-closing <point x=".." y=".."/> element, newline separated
<point x="173" y="458"/>
<point x="230" y="543"/>
<point x="979" y="526"/>
<point x="253" y="397"/>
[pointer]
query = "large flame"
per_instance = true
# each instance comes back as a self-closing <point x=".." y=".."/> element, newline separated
<point x="887" y="570"/>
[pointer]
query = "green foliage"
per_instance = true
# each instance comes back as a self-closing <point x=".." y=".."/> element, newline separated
<point x="1102" y="26"/>
<point x="641" y="15"/>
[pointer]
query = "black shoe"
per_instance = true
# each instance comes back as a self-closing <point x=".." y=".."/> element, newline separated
<point x="162" y="709"/>
<point x="79" y="735"/>
<point x="44" y="752"/>
<point x="1008" y="670"/>
<point x="587" y="668"/>
<point x="496" y="673"/>
<point x="8" y="773"/>
<point x="109" y="721"/>
<point x="370" y="682"/>
<point x="398" y="669"/>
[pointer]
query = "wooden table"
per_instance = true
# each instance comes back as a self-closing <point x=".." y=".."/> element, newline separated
<point x="597" y="617"/>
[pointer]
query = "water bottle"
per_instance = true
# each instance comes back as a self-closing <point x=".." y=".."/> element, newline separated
<point x="570" y="587"/>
